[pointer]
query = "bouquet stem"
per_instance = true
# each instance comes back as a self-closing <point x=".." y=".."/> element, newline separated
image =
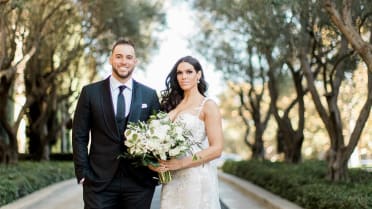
<point x="165" y="177"/>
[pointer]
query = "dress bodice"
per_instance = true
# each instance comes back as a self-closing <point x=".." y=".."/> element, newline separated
<point x="195" y="187"/>
<point x="196" y="126"/>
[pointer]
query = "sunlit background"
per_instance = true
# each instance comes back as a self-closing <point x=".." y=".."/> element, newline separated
<point x="174" y="44"/>
<point x="179" y="38"/>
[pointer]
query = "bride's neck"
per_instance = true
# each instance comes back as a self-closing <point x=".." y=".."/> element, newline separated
<point x="191" y="97"/>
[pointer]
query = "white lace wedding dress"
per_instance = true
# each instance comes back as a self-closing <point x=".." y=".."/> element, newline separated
<point x="196" y="187"/>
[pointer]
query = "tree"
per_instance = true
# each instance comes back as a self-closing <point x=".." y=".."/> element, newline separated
<point x="297" y="38"/>
<point x="63" y="42"/>
<point x="252" y="101"/>
<point x="351" y="26"/>
<point x="334" y="60"/>
<point x="277" y="41"/>
<point x="223" y="40"/>
<point x="257" y="25"/>
<point x="11" y="33"/>
<point x="107" y="21"/>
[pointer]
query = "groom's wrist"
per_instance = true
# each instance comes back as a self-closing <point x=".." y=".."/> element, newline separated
<point x="82" y="181"/>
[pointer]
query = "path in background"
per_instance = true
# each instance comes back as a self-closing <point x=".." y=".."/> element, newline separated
<point x="235" y="199"/>
<point x="63" y="195"/>
<point x="68" y="195"/>
<point x="156" y="200"/>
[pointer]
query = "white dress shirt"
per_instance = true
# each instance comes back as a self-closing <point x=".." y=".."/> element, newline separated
<point x="114" y="86"/>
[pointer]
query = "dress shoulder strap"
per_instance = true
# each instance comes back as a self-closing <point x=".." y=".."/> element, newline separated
<point x="202" y="105"/>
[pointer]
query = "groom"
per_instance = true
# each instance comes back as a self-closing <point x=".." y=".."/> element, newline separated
<point x="103" y="110"/>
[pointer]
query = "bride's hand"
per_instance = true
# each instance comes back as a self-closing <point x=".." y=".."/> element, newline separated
<point x="158" y="169"/>
<point x="171" y="165"/>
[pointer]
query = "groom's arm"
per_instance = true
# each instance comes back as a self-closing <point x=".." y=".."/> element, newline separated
<point x="155" y="105"/>
<point x="80" y="136"/>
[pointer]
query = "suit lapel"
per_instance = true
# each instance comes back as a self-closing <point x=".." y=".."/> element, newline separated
<point x="135" y="107"/>
<point x="108" y="110"/>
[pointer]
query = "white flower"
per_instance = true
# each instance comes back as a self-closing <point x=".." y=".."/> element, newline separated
<point x="160" y="138"/>
<point x="162" y="131"/>
<point x="179" y="131"/>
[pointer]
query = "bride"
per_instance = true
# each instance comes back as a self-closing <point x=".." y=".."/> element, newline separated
<point x="194" y="182"/>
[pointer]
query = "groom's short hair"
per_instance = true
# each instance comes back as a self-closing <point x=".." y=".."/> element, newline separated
<point x="123" y="41"/>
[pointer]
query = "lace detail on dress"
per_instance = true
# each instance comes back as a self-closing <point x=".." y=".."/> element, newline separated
<point x="197" y="187"/>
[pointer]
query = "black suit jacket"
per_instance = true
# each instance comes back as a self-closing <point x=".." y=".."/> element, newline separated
<point x="94" y="123"/>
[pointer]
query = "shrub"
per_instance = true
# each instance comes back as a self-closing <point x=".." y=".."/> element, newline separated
<point x="305" y="183"/>
<point x="26" y="177"/>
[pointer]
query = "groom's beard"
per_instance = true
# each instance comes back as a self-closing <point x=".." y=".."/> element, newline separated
<point x="123" y="75"/>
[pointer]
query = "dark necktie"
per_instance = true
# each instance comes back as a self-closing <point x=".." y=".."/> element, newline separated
<point x="120" y="106"/>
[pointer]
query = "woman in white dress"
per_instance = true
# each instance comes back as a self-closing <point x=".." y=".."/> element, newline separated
<point x="194" y="183"/>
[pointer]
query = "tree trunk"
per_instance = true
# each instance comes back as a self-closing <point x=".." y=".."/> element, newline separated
<point x="44" y="128"/>
<point x="4" y="152"/>
<point x="296" y="155"/>
<point x="258" y="150"/>
<point x="36" y="132"/>
<point x="337" y="160"/>
<point x="9" y="131"/>
<point x="289" y="139"/>
<point x="337" y="165"/>
<point x="9" y="153"/>
<point x="362" y="118"/>
<point x="253" y="106"/>
<point x="39" y="148"/>
<point x="291" y="144"/>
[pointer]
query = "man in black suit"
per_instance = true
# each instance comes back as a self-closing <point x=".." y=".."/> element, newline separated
<point x="102" y="113"/>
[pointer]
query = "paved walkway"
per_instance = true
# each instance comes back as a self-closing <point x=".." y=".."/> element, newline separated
<point x="233" y="192"/>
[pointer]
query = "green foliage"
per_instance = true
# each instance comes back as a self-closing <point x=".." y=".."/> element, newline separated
<point x="26" y="177"/>
<point x="137" y="20"/>
<point x="305" y="183"/>
<point x="63" y="44"/>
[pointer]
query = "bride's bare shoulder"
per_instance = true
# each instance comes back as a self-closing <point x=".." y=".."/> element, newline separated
<point x="210" y="103"/>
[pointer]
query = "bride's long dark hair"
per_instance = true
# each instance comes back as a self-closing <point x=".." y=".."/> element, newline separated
<point x="173" y="94"/>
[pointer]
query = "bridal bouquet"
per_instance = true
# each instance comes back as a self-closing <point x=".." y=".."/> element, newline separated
<point x="159" y="138"/>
